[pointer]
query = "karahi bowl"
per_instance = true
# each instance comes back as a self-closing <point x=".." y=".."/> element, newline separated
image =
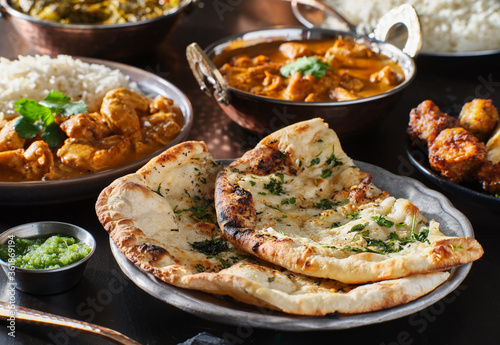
<point x="263" y="115"/>
<point x="109" y="41"/>
<point x="47" y="281"/>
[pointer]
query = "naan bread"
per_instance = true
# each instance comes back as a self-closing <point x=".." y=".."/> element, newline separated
<point x="493" y="147"/>
<point x="298" y="201"/>
<point x="163" y="219"/>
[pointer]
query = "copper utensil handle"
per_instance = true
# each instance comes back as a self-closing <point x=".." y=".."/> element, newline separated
<point x="406" y="15"/>
<point x="202" y="67"/>
<point x="326" y="8"/>
<point x="8" y="311"/>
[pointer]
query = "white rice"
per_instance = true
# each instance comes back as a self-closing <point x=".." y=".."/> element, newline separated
<point x="447" y="25"/>
<point x="35" y="76"/>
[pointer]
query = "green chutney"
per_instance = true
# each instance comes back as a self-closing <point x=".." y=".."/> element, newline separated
<point x="55" y="251"/>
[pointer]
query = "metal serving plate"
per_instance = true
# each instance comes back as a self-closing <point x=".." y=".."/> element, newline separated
<point x="75" y="188"/>
<point x="225" y="310"/>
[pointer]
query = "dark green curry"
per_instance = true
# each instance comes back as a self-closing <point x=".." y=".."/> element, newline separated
<point x="95" y="11"/>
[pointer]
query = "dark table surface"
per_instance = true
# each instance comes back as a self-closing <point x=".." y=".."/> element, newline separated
<point x="468" y="315"/>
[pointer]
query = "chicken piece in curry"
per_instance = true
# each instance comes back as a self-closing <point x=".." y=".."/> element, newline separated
<point x="128" y="127"/>
<point x="310" y="71"/>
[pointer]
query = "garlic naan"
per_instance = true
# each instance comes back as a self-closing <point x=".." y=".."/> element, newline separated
<point x="163" y="219"/>
<point x="298" y="201"/>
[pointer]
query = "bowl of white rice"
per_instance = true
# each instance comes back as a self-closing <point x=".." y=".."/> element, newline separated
<point x="86" y="79"/>
<point x="449" y="27"/>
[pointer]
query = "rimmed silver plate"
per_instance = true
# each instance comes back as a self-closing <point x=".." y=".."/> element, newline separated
<point x="225" y="310"/>
<point x="76" y="188"/>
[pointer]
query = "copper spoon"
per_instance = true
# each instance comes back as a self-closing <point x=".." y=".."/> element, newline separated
<point x="37" y="317"/>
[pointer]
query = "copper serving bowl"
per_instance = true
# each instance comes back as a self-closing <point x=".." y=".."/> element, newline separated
<point x="113" y="41"/>
<point x="264" y="115"/>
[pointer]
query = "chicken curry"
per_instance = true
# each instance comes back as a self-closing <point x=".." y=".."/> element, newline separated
<point x="128" y="127"/>
<point x="310" y="71"/>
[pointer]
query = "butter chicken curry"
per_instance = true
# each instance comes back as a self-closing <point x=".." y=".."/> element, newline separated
<point x="310" y="71"/>
<point x="128" y="127"/>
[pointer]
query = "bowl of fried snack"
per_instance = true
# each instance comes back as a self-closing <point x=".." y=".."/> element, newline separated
<point x="460" y="153"/>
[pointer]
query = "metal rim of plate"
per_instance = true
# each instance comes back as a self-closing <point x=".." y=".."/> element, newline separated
<point x="432" y="204"/>
<point x="297" y="12"/>
<point x="85" y="186"/>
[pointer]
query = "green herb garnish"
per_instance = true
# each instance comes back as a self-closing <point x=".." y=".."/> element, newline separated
<point x="326" y="204"/>
<point x="202" y="210"/>
<point x="306" y="65"/>
<point x="358" y="227"/>
<point x="38" y="117"/>
<point x="315" y="161"/>
<point x="380" y="220"/>
<point x="288" y="201"/>
<point x="353" y="215"/>
<point x="211" y="247"/>
<point x="275" y="186"/>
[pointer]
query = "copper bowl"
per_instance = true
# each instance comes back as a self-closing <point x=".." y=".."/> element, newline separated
<point x="264" y="115"/>
<point x="114" y="41"/>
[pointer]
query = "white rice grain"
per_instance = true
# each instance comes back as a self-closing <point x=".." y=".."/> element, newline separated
<point x="448" y="26"/>
<point x="35" y="76"/>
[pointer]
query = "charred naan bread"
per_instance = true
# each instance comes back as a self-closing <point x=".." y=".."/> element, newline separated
<point x="163" y="219"/>
<point x="298" y="201"/>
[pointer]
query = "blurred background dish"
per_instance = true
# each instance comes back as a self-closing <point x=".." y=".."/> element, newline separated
<point x="109" y="41"/>
<point x="457" y="28"/>
<point x="75" y="188"/>
<point x="261" y="114"/>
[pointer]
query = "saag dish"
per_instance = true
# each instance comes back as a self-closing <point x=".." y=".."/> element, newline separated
<point x="95" y="11"/>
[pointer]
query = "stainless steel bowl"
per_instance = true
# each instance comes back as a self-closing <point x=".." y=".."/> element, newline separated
<point x="264" y="115"/>
<point x="118" y="41"/>
<point x="49" y="281"/>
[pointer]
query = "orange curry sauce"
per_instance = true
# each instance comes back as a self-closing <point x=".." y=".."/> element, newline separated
<point x="354" y="70"/>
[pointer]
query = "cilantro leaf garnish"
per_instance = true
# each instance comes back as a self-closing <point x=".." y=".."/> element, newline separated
<point x="306" y="65"/>
<point x="326" y="204"/>
<point x="380" y="220"/>
<point x="38" y="117"/>
<point x="211" y="247"/>
<point x="358" y="227"/>
<point x="275" y="186"/>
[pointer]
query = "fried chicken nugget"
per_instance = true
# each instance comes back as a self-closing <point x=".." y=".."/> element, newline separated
<point x="489" y="177"/>
<point x="480" y="117"/>
<point x="457" y="154"/>
<point x="427" y="121"/>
